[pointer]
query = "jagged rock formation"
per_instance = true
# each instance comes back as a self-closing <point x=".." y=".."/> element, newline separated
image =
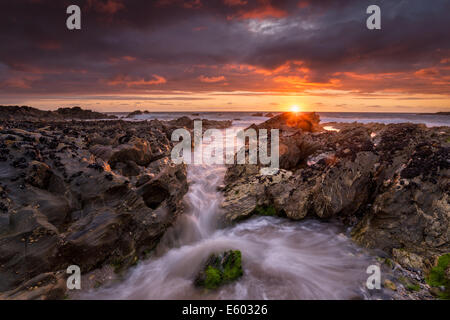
<point x="389" y="182"/>
<point x="83" y="193"/>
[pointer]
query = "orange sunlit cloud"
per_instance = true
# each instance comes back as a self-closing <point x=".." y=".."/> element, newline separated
<point x="127" y="81"/>
<point x="226" y="55"/>
<point x="211" y="79"/>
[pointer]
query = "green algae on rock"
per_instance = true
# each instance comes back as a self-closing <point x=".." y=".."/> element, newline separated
<point x="220" y="269"/>
<point x="265" y="211"/>
<point x="439" y="276"/>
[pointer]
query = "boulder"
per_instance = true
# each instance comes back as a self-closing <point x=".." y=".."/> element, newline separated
<point x="137" y="150"/>
<point x="220" y="269"/>
<point x="288" y="121"/>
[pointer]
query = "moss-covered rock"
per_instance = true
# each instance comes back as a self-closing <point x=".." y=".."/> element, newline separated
<point x="220" y="269"/>
<point x="213" y="278"/>
<point x="265" y="211"/>
<point x="409" y="284"/>
<point x="413" y="287"/>
<point x="439" y="276"/>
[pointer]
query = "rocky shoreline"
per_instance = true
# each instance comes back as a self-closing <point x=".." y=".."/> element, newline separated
<point x="25" y="113"/>
<point x="95" y="194"/>
<point x="88" y="193"/>
<point x="100" y="194"/>
<point x="389" y="183"/>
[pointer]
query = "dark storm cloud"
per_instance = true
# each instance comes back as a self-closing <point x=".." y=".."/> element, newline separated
<point x="412" y="33"/>
<point x="201" y="45"/>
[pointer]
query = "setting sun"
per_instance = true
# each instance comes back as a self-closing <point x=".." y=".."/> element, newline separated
<point x="295" y="108"/>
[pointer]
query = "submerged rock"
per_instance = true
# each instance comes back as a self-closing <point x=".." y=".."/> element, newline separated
<point x="220" y="269"/>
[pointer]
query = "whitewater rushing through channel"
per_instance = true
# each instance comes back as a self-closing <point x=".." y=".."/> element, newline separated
<point x="281" y="259"/>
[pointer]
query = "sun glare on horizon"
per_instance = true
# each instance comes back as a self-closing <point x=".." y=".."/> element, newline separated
<point x="295" y="108"/>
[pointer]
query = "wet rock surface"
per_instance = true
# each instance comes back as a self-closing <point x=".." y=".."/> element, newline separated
<point x="389" y="183"/>
<point x="86" y="193"/>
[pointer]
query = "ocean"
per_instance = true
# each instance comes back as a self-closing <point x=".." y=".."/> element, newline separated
<point x="247" y="118"/>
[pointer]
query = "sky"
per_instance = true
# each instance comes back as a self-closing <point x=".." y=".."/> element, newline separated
<point x="226" y="55"/>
